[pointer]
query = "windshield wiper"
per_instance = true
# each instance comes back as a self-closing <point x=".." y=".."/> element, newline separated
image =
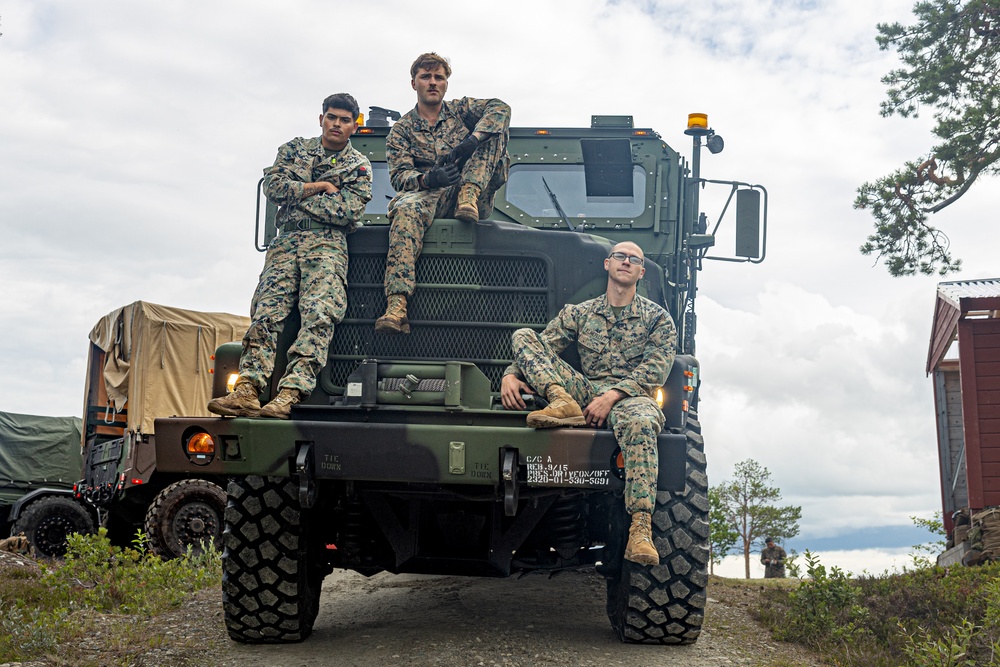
<point x="559" y="209"/>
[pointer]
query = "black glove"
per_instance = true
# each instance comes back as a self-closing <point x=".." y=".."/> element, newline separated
<point x="442" y="176"/>
<point x="460" y="153"/>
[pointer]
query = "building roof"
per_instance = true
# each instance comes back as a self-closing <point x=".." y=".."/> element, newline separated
<point x="956" y="300"/>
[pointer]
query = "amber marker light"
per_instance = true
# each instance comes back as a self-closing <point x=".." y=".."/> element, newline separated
<point x="661" y="397"/>
<point x="698" y="120"/>
<point x="200" y="445"/>
<point x="365" y="130"/>
<point x="541" y="132"/>
<point x="231" y="381"/>
<point x="640" y="133"/>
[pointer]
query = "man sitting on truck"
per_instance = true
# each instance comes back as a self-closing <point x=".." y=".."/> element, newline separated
<point x="626" y="344"/>
<point x="321" y="186"/>
<point x="445" y="160"/>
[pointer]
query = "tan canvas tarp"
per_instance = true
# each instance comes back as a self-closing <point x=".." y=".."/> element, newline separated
<point x="159" y="359"/>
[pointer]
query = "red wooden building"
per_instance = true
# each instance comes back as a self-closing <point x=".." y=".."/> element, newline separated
<point x="967" y="392"/>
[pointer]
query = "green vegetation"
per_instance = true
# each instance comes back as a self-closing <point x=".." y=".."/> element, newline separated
<point x="923" y="617"/>
<point x="96" y="585"/>
<point x="949" y="58"/>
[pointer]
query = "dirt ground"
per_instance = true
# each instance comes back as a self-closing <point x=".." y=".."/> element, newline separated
<point x="389" y="620"/>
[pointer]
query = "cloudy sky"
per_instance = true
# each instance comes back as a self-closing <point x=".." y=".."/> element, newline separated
<point x="132" y="136"/>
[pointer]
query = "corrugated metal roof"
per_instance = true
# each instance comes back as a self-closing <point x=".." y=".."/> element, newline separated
<point x="957" y="290"/>
<point x="954" y="300"/>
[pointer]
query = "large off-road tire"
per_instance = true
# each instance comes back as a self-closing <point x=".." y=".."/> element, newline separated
<point x="48" y="521"/>
<point x="665" y="603"/>
<point x="188" y="513"/>
<point x="270" y="578"/>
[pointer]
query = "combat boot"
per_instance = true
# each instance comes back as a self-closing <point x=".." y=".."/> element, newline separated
<point x="281" y="406"/>
<point x="562" y="410"/>
<point x="394" y="321"/>
<point x="468" y="198"/>
<point x="640" y="547"/>
<point x="242" y="401"/>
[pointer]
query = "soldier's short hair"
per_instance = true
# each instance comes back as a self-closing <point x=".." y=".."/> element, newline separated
<point x="429" y="61"/>
<point x="342" y="101"/>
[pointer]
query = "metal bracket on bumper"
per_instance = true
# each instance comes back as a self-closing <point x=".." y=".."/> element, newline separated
<point x="304" y="468"/>
<point x="508" y="471"/>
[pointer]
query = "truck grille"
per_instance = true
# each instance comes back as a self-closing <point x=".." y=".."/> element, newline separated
<point x="465" y="308"/>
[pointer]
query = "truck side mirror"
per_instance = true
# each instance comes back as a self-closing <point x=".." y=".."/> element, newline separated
<point x="748" y="223"/>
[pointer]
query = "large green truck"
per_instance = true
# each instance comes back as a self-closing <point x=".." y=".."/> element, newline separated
<point x="403" y="458"/>
<point x="39" y="462"/>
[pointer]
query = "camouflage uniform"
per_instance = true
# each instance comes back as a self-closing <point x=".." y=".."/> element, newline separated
<point x="412" y="148"/>
<point x="632" y="353"/>
<point x="773" y="570"/>
<point x="306" y="265"/>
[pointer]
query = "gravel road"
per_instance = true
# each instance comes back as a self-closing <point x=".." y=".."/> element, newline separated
<point x="391" y="620"/>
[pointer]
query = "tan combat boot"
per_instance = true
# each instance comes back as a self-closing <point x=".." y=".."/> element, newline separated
<point x="562" y="410"/>
<point x="281" y="406"/>
<point x="242" y="401"/>
<point x="640" y="547"/>
<point x="394" y="321"/>
<point x="468" y="198"/>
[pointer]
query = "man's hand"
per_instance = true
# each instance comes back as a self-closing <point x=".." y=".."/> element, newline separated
<point x="460" y="153"/>
<point x="443" y="176"/>
<point x="597" y="410"/>
<point x="511" y="388"/>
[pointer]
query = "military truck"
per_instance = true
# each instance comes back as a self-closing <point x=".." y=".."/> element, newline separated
<point x="404" y="460"/>
<point x="147" y="360"/>
<point x="39" y="462"/>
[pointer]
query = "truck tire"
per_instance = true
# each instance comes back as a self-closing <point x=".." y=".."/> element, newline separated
<point x="188" y="513"/>
<point x="48" y="521"/>
<point x="270" y="582"/>
<point x="665" y="603"/>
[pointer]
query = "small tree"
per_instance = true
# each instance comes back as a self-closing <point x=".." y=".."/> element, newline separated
<point x="748" y="505"/>
<point x="950" y="58"/>
<point x="723" y="536"/>
<point x="922" y="552"/>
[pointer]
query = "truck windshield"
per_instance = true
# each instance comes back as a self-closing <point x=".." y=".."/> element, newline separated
<point x="526" y="191"/>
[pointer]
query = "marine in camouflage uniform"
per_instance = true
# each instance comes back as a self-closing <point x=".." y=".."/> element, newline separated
<point x="773" y="557"/>
<point x="446" y="159"/>
<point x="626" y="352"/>
<point x="321" y="186"/>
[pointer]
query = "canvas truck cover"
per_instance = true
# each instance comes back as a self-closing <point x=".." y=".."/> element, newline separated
<point x="39" y="451"/>
<point x="159" y="359"/>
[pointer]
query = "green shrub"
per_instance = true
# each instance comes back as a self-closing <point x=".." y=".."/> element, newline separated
<point x="38" y="613"/>
<point x="930" y="616"/>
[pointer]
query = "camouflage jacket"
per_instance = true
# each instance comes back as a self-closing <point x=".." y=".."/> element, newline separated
<point x="302" y="161"/>
<point x="774" y="554"/>
<point x="414" y="146"/>
<point x="632" y="353"/>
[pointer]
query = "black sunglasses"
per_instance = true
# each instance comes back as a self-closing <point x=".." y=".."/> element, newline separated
<point x="632" y="259"/>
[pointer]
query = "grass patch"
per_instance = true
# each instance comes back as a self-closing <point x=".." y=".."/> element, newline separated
<point x="926" y="617"/>
<point x="95" y="584"/>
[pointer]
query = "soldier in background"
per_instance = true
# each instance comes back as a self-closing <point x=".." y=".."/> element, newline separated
<point x="627" y="345"/>
<point x="321" y="186"/>
<point x="773" y="558"/>
<point x="445" y="160"/>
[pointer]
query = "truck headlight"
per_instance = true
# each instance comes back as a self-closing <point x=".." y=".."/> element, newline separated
<point x="200" y="448"/>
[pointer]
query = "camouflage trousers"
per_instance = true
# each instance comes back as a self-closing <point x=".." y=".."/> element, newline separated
<point x="411" y="213"/>
<point x="307" y="269"/>
<point x="636" y="420"/>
